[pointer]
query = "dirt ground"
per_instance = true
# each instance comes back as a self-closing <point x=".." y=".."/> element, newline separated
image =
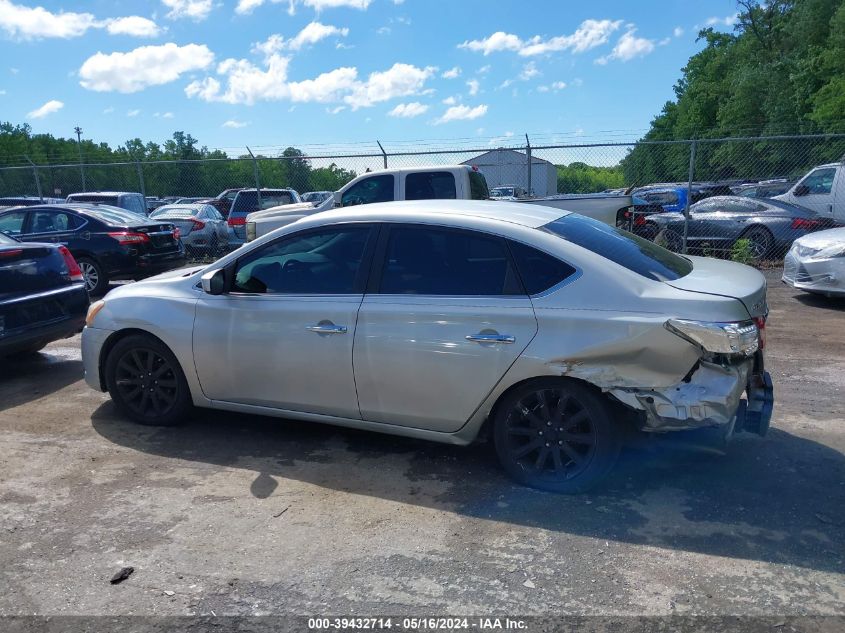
<point x="235" y="514"/>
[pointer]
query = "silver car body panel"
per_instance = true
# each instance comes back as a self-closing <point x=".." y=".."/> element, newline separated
<point x="816" y="263"/>
<point x="613" y="338"/>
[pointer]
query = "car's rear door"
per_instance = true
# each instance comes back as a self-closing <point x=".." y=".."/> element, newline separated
<point x="443" y="321"/>
<point x="51" y="225"/>
<point x="282" y="337"/>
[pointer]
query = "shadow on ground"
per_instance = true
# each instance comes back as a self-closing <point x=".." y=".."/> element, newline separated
<point x="26" y="379"/>
<point x="777" y="499"/>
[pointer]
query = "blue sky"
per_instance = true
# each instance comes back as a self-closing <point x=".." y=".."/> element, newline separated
<point x="310" y="72"/>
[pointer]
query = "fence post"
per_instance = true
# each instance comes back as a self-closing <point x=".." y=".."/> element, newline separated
<point x="255" y="174"/>
<point x="141" y="178"/>
<point x="528" y="154"/>
<point x="689" y="192"/>
<point x="37" y="179"/>
<point x="383" y="153"/>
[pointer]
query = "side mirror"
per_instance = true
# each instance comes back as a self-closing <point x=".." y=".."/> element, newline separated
<point x="801" y="190"/>
<point x="336" y="196"/>
<point x="214" y="282"/>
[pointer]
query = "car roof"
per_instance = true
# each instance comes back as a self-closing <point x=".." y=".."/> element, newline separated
<point x="104" y="193"/>
<point x="81" y="207"/>
<point x="182" y="205"/>
<point x="519" y="213"/>
<point x="286" y="189"/>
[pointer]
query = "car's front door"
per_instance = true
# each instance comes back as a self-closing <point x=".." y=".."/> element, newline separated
<point x="445" y="320"/>
<point x="817" y="191"/>
<point x="282" y="336"/>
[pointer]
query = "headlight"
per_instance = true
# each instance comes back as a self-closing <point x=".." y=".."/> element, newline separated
<point x="834" y="250"/>
<point x="718" y="338"/>
<point x="93" y="309"/>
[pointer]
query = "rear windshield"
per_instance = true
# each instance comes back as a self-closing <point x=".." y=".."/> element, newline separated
<point x="634" y="253"/>
<point x="174" y="212"/>
<point x="93" y="198"/>
<point x="114" y="216"/>
<point x="247" y="201"/>
<point x="478" y="186"/>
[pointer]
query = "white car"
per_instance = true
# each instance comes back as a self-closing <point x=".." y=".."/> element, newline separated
<point x="816" y="263"/>
<point x="436" y="319"/>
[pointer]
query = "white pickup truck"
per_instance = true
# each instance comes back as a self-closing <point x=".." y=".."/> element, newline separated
<point x="822" y="190"/>
<point x="461" y="182"/>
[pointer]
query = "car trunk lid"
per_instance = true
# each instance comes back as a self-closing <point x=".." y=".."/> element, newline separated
<point x="726" y="279"/>
<point x="27" y="268"/>
<point x="161" y="234"/>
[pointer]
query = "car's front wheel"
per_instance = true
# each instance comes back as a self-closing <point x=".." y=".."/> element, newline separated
<point x="146" y="382"/>
<point x="556" y="434"/>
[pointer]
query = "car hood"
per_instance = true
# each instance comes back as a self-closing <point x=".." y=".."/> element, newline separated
<point x="726" y="279"/>
<point x="822" y="239"/>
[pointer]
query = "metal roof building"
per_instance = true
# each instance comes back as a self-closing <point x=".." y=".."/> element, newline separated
<point x="510" y="167"/>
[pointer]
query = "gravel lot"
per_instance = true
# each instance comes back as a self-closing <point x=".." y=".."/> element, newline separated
<point x="235" y="514"/>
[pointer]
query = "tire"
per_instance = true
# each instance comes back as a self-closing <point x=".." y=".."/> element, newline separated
<point x="670" y="239"/>
<point x="96" y="281"/>
<point x="762" y="241"/>
<point x="540" y="447"/>
<point x="168" y="400"/>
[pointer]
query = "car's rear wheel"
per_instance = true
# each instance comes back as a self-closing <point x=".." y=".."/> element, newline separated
<point x="760" y="241"/>
<point x="96" y="280"/>
<point x="556" y="434"/>
<point x="670" y="239"/>
<point x="146" y="382"/>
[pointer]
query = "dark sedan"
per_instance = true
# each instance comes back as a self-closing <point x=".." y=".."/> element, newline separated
<point x="42" y="296"/>
<point x="108" y="242"/>
<point x="716" y="224"/>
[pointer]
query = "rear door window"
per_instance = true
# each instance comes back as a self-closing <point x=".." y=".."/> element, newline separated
<point x="51" y="222"/>
<point x="538" y="270"/>
<point x="430" y="185"/>
<point x="370" y="190"/>
<point x="478" y="186"/>
<point x="626" y="249"/>
<point x="438" y="261"/>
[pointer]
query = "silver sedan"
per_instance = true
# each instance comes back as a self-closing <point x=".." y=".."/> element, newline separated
<point x="437" y="319"/>
<point x="816" y="263"/>
<point x="204" y="230"/>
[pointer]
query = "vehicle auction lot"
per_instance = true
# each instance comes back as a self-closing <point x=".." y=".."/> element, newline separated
<point x="236" y="514"/>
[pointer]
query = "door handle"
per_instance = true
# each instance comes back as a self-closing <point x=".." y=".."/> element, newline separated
<point x="490" y="338"/>
<point x="327" y="328"/>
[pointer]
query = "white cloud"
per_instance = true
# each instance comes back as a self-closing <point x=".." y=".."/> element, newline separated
<point x="163" y="115"/>
<point x="408" y="110"/>
<point x="400" y="80"/>
<point x="234" y="124"/>
<point x="26" y="23"/>
<point x="627" y="48"/>
<point x="142" y="67"/>
<point x="449" y="101"/>
<point x="2" y="92"/>
<point x="529" y="71"/>
<point x="48" y="108"/>
<point x="462" y="113"/>
<point x="474" y="87"/>
<point x="133" y="113"/>
<point x="336" y="109"/>
<point x="383" y="30"/>
<point x="678" y="31"/>
<point x="555" y="86"/>
<point x="310" y="34"/>
<point x="588" y="35"/>
<point x="245" y="7"/>
<point x="108" y="110"/>
<point x="484" y="69"/>
<point x="728" y="20"/>
<point x="133" y="25"/>
<point x="452" y="73"/>
<point x="196" y="10"/>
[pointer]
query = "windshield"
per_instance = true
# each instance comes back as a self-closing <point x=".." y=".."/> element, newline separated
<point x="634" y="253"/>
<point x="115" y="216"/>
<point x="247" y="201"/>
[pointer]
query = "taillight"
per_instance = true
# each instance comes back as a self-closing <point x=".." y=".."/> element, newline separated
<point x="128" y="237"/>
<point x="73" y="269"/>
<point x="11" y="253"/>
<point x="198" y="224"/>
<point x="760" y="322"/>
<point x="639" y="220"/>
<point x="177" y="233"/>
<point x="240" y="221"/>
<point x="807" y="225"/>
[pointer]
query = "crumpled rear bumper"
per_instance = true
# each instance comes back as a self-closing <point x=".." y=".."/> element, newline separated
<point x="711" y="396"/>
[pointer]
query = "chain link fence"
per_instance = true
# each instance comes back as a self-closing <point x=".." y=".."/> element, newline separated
<point x="678" y="185"/>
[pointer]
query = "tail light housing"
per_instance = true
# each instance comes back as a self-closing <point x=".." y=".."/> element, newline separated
<point x="15" y="252"/>
<point x="73" y="269"/>
<point x="805" y="224"/>
<point x="128" y="238"/>
<point x="239" y="221"/>
<point x="718" y="338"/>
<point x="760" y="322"/>
<point x="197" y="225"/>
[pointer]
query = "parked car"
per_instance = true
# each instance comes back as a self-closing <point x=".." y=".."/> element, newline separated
<point x="816" y="263"/>
<point x="717" y="223"/>
<point x="671" y="199"/>
<point x="153" y="203"/>
<point x="134" y="202"/>
<point x="822" y="190"/>
<point x="42" y="296"/>
<point x="764" y="189"/>
<point x="26" y="201"/>
<point x="508" y="192"/>
<point x="223" y="201"/>
<point x="433" y="319"/>
<point x="203" y="230"/>
<point x="248" y="201"/>
<point x="107" y="242"/>
<point x="317" y="197"/>
<point x="635" y="220"/>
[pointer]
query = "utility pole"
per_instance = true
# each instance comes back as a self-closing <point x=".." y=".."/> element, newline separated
<point x="78" y="131"/>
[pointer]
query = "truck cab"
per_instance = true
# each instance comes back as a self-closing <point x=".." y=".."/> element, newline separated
<point x="822" y="190"/>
